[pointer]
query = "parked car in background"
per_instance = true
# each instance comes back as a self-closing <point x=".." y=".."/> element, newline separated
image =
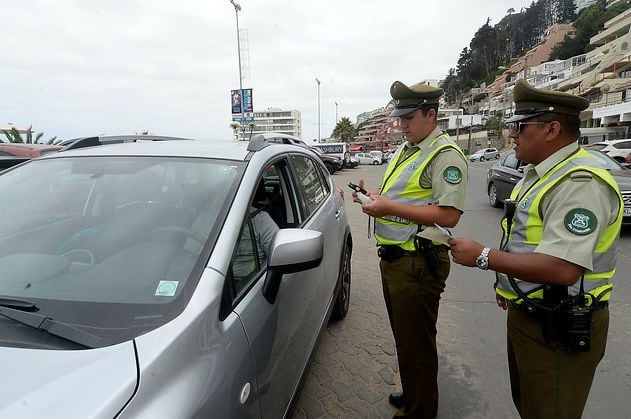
<point x="367" y="158"/>
<point x="332" y="163"/>
<point x="504" y="175"/>
<point x="485" y="154"/>
<point x="141" y="268"/>
<point x="380" y="155"/>
<point x="27" y="150"/>
<point x="616" y="149"/>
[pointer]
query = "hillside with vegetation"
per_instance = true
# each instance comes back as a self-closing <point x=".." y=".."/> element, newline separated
<point x="494" y="46"/>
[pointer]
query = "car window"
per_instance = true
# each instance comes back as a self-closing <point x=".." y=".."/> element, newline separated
<point x="244" y="265"/>
<point x="597" y="147"/>
<point x="310" y="183"/>
<point x="623" y="145"/>
<point x="511" y="161"/>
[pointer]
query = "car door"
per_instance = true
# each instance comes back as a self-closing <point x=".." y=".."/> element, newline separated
<point x="281" y="334"/>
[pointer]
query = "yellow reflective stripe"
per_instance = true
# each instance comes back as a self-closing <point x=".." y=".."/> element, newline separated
<point x="596" y="276"/>
<point x="537" y="295"/>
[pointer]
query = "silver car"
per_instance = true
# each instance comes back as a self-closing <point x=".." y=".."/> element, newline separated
<point x="485" y="154"/>
<point x="136" y="281"/>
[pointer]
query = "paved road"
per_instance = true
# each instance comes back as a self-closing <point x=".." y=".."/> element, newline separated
<point x="355" y="366"/>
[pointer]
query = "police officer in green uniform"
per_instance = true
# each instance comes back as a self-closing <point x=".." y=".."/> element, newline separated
<point x="556" y="259"/>
<point x="424" y="184"/>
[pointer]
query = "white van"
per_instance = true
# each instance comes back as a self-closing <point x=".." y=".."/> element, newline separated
<point x="340" y="150"/>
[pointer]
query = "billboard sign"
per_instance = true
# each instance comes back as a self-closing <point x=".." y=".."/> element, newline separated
<point x="235" y="96"/>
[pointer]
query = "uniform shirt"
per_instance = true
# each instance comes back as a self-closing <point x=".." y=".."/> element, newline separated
<point x="445" y="194"/>
<point x="581" y="190"/>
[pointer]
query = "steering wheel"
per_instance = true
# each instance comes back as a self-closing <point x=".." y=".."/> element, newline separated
<point x="182" y="231"/>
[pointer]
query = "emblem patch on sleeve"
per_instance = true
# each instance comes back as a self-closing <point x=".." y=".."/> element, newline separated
<point x="580" y="221"/>
<point x="453" y="175"/>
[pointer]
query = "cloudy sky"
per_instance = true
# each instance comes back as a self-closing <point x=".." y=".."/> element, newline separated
<point x="81" y="67"/>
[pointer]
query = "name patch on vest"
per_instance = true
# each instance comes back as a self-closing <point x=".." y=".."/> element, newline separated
<point x="395" y="219"/>
<point x="580" y="221"/>
<point x="453" y="175"/>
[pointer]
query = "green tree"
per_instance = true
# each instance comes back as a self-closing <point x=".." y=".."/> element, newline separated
<point x="589" y="22"/>
<point x="344" y="130"/>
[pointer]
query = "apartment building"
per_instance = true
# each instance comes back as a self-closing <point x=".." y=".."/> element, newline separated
<point x="271" y="120"/>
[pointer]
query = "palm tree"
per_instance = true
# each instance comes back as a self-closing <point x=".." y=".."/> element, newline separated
<point x="14" y="136"/>
<point x="344" y="130"/>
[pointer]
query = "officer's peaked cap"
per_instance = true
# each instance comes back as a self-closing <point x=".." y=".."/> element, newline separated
<point x="408" y="99"/>
<point x="531" y="102"/>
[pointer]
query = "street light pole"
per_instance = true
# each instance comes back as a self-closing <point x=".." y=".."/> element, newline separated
<point x="318" y="81"/>
<point x="237" y="9"/>
<point x="335" y="113"/>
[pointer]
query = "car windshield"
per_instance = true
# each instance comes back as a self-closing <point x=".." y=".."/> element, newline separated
<point x="110" y="242"/>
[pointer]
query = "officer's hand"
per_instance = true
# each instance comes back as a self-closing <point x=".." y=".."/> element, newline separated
<point x="501" y="302"/>
<point x="464" y="251"/>
<point x="378" y="207"/>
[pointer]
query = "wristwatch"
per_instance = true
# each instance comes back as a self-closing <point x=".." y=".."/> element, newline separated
<point x="483" y="260"/>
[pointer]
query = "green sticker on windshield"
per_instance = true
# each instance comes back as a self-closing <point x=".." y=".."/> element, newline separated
<point x="580" y="221"/>
<point x="166" y="288"/>
<point x="453" y="175"/>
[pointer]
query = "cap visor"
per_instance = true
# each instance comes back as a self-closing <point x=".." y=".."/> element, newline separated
<point x="521" y="117"/>
<point x="402" y="111"/>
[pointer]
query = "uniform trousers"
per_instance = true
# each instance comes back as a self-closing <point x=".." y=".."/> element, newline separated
<point x="546" y="380"/>
<point x="412" y="294"/>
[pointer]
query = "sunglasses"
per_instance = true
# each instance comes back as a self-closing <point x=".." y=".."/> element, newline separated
<point x="516" y="126"/>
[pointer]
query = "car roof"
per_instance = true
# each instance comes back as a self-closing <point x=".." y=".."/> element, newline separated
<point x="222" y="149"/>
<point x="218" y="149"/>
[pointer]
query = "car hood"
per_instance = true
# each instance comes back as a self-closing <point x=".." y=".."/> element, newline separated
<point x="93" y="383"/>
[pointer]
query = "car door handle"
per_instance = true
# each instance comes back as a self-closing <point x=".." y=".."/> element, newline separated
<point x="338" y="213"/>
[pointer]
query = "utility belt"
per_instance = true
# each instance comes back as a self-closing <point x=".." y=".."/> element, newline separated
<point x="423" y="247"/>
<point x="536" y="313"/>
<point x="569" y="323"/>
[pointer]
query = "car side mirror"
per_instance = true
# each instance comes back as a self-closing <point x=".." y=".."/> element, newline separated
<point x="520" y="169"/>
<point x="293" y="250"/>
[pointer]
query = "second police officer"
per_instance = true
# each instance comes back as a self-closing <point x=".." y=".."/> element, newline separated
<point x="557" y="257"/>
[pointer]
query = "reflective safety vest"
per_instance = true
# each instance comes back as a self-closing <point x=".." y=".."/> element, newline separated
<point x="527" y="231"/>
<point x="402" y="183"/>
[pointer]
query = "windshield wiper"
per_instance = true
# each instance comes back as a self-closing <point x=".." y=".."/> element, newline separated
<point x="18" y="304"/>
<point x="23" y="312"/>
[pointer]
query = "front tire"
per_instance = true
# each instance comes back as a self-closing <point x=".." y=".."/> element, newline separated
<point x="482" y="158"/>
<point x="342" y="299"/>
<point x="493" y="196"/>
<point x="330" y="168"/>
